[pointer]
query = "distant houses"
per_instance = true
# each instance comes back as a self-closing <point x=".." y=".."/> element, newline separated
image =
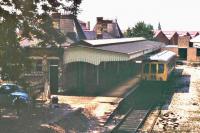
<point x="184" y="43"/>
<point x="103" y="29"/>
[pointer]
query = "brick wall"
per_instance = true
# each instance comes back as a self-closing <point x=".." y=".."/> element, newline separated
<point x="183" y="41"/>
<point x="174" y="39"/>
<point x="162" y="38"/>
<point x="173" y="49"/>
<point x="191" y="54"/>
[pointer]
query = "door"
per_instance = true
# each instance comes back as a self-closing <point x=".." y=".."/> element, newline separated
<point x="54" y="79"/>
<point x="182" y="53"/>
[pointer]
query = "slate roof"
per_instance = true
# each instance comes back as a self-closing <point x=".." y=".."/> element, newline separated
<point x="90" y="35"/>
<point x="169" y="34"/>
<point x="124" y="45"/>
<point x="131" y="47"/>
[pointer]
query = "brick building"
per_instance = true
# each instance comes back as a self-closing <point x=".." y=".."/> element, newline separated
<point x="161" y="37"/>
<point x="172" y="36"/>
<point x="107" y="29"/>
<point x="184" y="43"/>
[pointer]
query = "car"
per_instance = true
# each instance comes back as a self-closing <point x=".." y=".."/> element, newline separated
<point x="13" y="95"/>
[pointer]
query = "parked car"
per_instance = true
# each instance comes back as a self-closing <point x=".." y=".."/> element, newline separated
<point x="13" y="95"/>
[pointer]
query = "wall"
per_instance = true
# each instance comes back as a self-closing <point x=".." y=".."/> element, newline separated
<point x="85" y="78"/>
<point x="183" y="41"/>
<point x="173" y="49"/>
<point x="162" y="38"/>
<point x="191" y="54"/>
<point x="174" y="39"/>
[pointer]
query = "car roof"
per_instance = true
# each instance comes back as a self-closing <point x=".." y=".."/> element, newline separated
<point x="8" y="84"/>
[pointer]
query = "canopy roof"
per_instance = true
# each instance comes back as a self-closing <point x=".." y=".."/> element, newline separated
<point x="97" y="51"/>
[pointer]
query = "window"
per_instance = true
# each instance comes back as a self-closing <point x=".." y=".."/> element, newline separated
<point x="198" y="51"/>
<point x="190" y="44"/>
<point x="146" y="68"/>
<point x="160" y="68"/>
<point x="153" y="68"/>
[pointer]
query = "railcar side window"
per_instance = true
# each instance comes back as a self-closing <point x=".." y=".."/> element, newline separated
<point x="160" y="68"/>
<point x="146" y="68"/>
<point x="153" y="68"/>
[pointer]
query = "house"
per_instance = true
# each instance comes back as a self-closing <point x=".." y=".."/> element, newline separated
<point x="194" y="51"/>
<point x="107" y="29"/>
<point x="52" y="58"/>
<point x="85" y="26"/>
<point x="69" y="26"/>
<point x="184" y="43"/>
<point x="172" y="36"/>
<point x="161" y="37"/>
<point x="193" y="33"/>
<point x="183" y="33"/>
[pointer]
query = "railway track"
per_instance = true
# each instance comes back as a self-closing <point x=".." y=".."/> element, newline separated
<point x="133" y="121"/>
<point x="141" y="106"/>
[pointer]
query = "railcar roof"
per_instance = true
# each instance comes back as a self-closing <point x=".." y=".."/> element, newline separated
<point x="163" y="56"/>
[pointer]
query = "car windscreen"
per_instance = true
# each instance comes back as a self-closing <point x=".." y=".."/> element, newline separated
<point x="9" y="88"/>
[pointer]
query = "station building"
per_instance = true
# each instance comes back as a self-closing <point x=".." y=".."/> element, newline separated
<point x="87" y="66"/>
<point x="92" y="66"/>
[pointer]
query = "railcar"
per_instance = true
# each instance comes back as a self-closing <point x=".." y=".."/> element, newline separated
<point x="159" y="67"/>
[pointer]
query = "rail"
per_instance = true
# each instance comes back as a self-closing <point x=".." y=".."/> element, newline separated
<point x="132" y="121"/>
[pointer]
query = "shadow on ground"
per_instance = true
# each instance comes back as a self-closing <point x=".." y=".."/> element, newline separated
<point x="43" y="118"/>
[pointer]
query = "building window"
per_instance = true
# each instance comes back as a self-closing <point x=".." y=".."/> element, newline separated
<point x="190" y="44"/>
<point x="198" y="51"/>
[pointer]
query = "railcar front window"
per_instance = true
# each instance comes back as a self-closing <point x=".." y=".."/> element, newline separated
<point x="160" y="68"/>
<point x="146" y="68"/>
<point x="153" y="68"/>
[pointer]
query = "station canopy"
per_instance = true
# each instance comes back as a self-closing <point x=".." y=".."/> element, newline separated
<point x="105" y="50"/>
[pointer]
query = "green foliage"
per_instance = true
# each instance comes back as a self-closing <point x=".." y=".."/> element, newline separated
<point x="140" y="30"/>
<point x="20" y="19"/>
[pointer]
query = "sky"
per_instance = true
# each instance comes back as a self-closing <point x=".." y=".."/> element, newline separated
<point x="179" y="15"/>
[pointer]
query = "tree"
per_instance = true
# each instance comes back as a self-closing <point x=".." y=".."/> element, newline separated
<point x="159" y="26"/>
<point x="140" y="30"/>
<point x="29" y="19"/>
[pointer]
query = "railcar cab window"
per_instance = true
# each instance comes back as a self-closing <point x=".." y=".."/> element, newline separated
<point x="160" y="68"/>
<point x="153" y="68"/>
<point x="146" y="68"/>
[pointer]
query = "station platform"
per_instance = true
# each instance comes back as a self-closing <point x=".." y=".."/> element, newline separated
<point x="102" y="107"/>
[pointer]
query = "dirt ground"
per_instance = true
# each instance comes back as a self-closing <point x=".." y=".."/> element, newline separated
<point x="181" y="113"/>
<point x="71" y="115"/>
<point x="45" y="118"/>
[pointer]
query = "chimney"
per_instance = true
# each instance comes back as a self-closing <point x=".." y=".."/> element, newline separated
<point x="88" y="25"/>
<point x="99" y="19"/>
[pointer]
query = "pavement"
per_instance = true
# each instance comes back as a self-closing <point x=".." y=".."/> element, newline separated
<point x="101" y="107"/>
